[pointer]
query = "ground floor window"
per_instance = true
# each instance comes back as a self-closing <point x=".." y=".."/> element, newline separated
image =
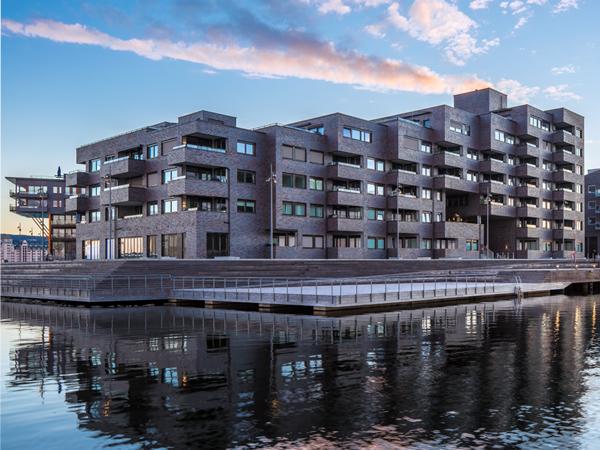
<point x="375" y="243"/>
<point x="152" y="246"/>
<point x="131" y="247"/>
<point x="91" y="249"/>
<point x="217" y="244"/>
<point x="446" y="244"/>
<point x="472" y="245"/>
<point x="172" y="245"/>
<point x="347" y="241"/>
<point x="284" y="239"/>
<point x="312" y="241"/>
<point x="528" y="244"/>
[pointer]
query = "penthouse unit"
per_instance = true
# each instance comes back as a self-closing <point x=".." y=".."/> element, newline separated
<point x="41" y="198"/>
<point x="592" y="213"/>
<point x="415" y="185"/>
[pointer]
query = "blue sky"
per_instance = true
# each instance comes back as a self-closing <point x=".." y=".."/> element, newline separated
<point x="74" y="72"/>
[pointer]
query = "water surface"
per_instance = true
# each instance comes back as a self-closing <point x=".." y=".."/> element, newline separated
<point x="498" y="375"/>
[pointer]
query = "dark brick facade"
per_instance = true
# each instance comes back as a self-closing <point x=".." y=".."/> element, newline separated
<point x="592" y="213"/>
<point x="444" y="160"/>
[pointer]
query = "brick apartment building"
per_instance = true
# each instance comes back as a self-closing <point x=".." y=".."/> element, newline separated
<point x="417" y="184"/>
<point x="592" y="213"/>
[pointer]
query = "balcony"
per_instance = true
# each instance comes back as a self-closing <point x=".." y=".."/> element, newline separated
<point x="567" y="234"/>
<point x="78" y="178"/>
<point x="407" y="202"/>
<point x="27" y="194"/>
<point x="529" y="211"/>
<point x="495" y="187"/>
<point x="452" y="183"/>
<point x="565" y="157"/>
<point x="77" y="203"/>
<point x="567" y="214"/>
<point x="563" y="137"/>
<point x="343" y="224"/>
<point x="527" y="170"/>
<point x="124" y="167"/>
<point x="528" y="191"/>
<point x="566" y="176"/>
<point x="568" y="196"/>
<point x="343" y="196"/>
<point x="532" y="232"/>
<point x="493" y="166"/>
<point x="344" y="171"/>
<point x="399" y="177"/>
<point x="409" y="228"/>
<point x="189" y="186"/>
<point x="498" y="210"/>
<point x="464" y="230"/>
<point x="124" y="195"/>
<point x="197" y="155"/>
<point x="530" y="254"/>
<point x="345" y="253"/>
<point x="524" y="150"/>
<point x="447" y="159"/>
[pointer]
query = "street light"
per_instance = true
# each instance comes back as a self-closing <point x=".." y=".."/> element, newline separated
<point x="397" y="192"/>
<point x="272" y="180"/>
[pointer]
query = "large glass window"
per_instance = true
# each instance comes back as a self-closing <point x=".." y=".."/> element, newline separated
<point x="293" y="180"/>
<point x="94" y="190"/>
<point x="357" y="135"/>
<point x="152" y="209"/>
<point x="94" y="215"/>
<point x="293" y="209"/>
<point x="94" y="165"/>
<point x="152" y="246"/>
<point x="169" y="206"/>
<point x="131" y="247"/>
<point x="217" y="244"/>
<point x="91" y="249"/>
<point x="316" y="184"/>
<point x="168" y="175"/>
<point x="152" y="151"/>
<point x="246" y="176"/>
<point x="172" y="245"/>
<point x="316" y="211"/>
<point x="246" y="206"/>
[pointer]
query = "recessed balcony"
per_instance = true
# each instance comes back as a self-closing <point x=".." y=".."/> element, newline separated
<point x="343" y="170"/>
<point x="124" y="195"/>
<point x="528" y="191"/>
<point x="528" y="170"/>
<point x="197" y="155"/>
<point x="78" y="178"/>
<point x="194" y="187"/>
<point x="452" y="183"/>
<point x="344" y="224"/>
<point x="343" y="196"/>
<point x="77" y="203"/>
<point x="563" y="137"/>
<point x="125" y="167"/>
<point x="566" y="176"/>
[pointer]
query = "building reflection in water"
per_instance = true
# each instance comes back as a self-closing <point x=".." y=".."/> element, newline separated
<point x="497" y="373"/>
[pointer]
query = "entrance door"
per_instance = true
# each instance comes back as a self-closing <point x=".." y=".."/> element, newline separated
<point x="217" y="244"/>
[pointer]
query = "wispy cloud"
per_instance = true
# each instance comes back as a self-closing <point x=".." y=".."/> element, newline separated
<point x="569" y="68"/>
<point x="301" y="58"/>
<point x="479" y="4"/>
<point x="441" y="23"/>
<point x="521" y="93"/>
<point x="565" y="5"/>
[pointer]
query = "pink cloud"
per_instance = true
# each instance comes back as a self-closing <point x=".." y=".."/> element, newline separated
<point x="314" y="60"/>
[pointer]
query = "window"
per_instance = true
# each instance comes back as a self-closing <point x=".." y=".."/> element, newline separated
<point x="246" y="176"/>
<point x="504" y="137"/>
<point x="168" y="175"/>
<point x="172" y="245"/>
<point x="426" y="193"/>
<point x="319" y="129"/>
<point x="375" y="214"/>
<point x="152" y="209"/>
<point x="357" y="135"/>
<point x="426" y="147"/>
<point x="471" y="176"/>
<point x="316" y="157"/>
<point x="426" y="244"/>
<point x="217" y="244"/>
<point x="426" y="216"/>
<point x="94" y="165"/>
<point x="292" y="180"/>
<point x="131" y="247"/>
<point x="293" y="209"/>
<point x="316" y="211"/>
<point x="284" y="239"/>
<point x="312" y="241"/>
<point x="426" y="170"/>
<point x="94" y="190"/>
<point x="152" y="151"/>
<point x="427" y="123"/>
<point x="152" y="246"/>
<point x="376" y="164"/>
<point x="293" y="153"/>
<point x="90" y="249"/>
<point x="316" y="184"/>
<point x="246" y="206"/>
<point x="246" y="148"/>
<point x="375" y="189"/>
<point x="539" y="123"/>
<point x="375" y="243"/>
<point x="578" y="132"/>
<point x="449" y="244"/>
<point x="94" y="215"/>
<point x="169" y="206"/>
<point x="461" y="128"/>
<point x="57" y="189"/>
<point x="472" y="154"/>
<point x="472" y="245"/>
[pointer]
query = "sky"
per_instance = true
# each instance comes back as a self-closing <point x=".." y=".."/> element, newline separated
<point x="75" y="72"/>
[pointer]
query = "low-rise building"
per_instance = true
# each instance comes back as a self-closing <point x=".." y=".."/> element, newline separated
<point x="22" y="251"/>
<point x="477" y="179"/>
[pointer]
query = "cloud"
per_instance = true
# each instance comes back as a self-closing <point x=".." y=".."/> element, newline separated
<point x="441" y="23"/>
<point x="342" y="7"/>
<point x="376" y="30"/>
<point x="334" y="6"/>
<point x="569" y="68"/>
<point x="565" y="5"/>
<point x="521" y="93"/>
<point x="298" y="57"/>
<point x="515" y="6"/>
<point x="521" y="22"/>
<point x="479" y="4"/>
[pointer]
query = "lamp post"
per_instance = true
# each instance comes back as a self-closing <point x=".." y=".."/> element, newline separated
<point x="108" y="184"/>
<point x="488" y="202"/>
<point x="272" y="180"/>
<point x="397" y="193"/>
